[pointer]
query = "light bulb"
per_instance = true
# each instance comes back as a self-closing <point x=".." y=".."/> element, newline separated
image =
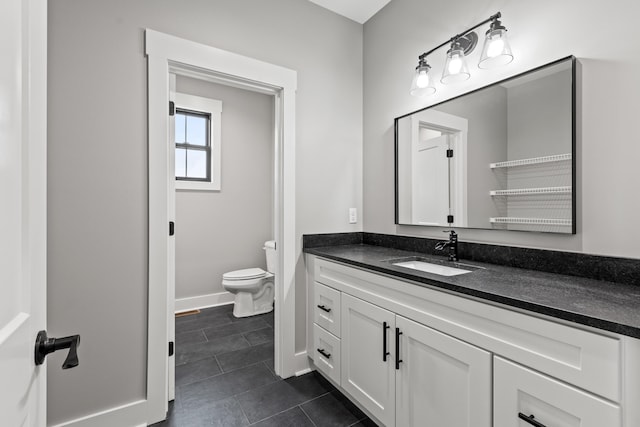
<point x="495" y="47"/>
<point x="455" y="65"/>
<point x="422" y="83"/>
<point x="423" y="79"/>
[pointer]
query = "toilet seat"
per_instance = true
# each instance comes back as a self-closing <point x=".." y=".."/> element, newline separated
<point x="245" y="274"/>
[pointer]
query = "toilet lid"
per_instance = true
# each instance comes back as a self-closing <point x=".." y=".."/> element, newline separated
<point x="247" y="273"/>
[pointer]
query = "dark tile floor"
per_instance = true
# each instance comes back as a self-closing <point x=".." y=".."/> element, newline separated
<point x="225" y="377"/>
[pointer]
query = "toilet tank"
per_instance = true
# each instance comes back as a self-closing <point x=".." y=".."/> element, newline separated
<point x="270" y="251"/>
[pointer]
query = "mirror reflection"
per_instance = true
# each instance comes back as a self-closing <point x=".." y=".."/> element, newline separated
<point x="501" y="157"/>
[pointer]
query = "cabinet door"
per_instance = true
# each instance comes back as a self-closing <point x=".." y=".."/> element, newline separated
<point x="522" y="393"/>
<point x="366" y="376"/>
<point x="442" y="381"/>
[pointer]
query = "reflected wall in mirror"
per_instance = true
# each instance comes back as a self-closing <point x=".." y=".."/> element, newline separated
<point x="501" y="157"/>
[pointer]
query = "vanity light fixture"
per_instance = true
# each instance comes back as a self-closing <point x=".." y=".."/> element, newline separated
<point x="495" y="52"/>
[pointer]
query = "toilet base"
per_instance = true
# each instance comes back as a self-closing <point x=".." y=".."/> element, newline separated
<point x="249" y="304"/>
<point x="239" y="312"/>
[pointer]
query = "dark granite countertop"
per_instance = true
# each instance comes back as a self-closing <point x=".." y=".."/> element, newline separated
<point x="604" y="305"/>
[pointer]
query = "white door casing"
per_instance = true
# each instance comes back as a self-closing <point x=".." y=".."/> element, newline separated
<point x="168" y="54"/>
<point x="23" y="127"/>
<point x="171" y="252"/>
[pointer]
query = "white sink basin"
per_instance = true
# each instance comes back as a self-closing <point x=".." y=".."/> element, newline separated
<point x="442" y="270"/>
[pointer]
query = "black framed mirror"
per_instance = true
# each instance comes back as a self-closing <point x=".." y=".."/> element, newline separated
<point x="501" y="157"/>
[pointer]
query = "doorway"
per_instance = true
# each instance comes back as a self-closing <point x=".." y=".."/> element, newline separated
<point x="168" y="55"/>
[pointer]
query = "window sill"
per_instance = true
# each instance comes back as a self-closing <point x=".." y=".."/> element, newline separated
<point x="197" y="186"/>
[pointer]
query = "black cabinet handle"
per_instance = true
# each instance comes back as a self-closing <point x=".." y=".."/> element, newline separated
<point x="324" y="353"/>
<point x="46" y="345"/>
<point x="398" y="360"/>
<point x="323" y="308"/>
<point x="530" y="419"/>
<point x="385" y="353"/>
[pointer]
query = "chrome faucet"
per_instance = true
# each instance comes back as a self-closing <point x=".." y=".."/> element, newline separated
<point x="452" y="244"/>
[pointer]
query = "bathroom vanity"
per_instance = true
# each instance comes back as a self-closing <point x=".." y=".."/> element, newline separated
<point x="492" y="346"/>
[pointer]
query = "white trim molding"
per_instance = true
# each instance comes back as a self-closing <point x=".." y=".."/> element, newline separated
<point x="302" y="363"/>
<point x="133" y="414"/>
<point x="168" y="54"/>
<point x="204" y="301"/>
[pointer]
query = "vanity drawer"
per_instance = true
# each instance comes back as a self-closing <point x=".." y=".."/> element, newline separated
<point x="327" y="308"/>
<point x="520" y="393"/>
<point x="326" y="353"/>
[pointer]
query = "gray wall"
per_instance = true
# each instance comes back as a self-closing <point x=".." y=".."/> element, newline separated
<point x="97" y="164"/>
<point x="607" y="146"/>
<point x="220" y="231"/>
<point x="540" y="117"/>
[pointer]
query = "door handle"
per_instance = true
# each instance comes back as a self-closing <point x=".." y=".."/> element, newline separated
<point x="398" y="360"/>
<point x="324" y="353"/>
<point x="46" y="345"/>
<point x="530" y="419"/>
<point x="323" y="308"/>
<point x="385" y="353"/>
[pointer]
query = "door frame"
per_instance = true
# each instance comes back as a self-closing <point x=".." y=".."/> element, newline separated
<point x="169" y="54"/>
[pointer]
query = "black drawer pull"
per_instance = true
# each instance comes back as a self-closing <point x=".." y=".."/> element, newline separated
<point x="398" y="360"/>
<point x="530" y="419"/>
<point x="323" y="308"/>
<point x="324" y="353"/>
<point x="385" y="353"/>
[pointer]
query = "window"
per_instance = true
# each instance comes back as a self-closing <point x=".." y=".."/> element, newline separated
<point x="197" y="140"/>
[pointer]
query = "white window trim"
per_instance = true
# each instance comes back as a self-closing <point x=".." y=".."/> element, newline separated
<point x="214" y="108"/>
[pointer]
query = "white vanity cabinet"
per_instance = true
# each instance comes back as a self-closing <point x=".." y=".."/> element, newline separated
<point x="413" y="355"/>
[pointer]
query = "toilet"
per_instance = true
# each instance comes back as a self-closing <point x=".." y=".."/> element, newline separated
<point x="253" y="287"/>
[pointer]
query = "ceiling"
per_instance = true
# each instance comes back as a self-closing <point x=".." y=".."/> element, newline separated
<point x="356" y="10"/>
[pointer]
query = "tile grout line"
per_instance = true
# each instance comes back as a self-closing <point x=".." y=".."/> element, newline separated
<point x="228" y="372"/>
<point x="242" y="410"/>
<point x="307" y="415"/>
<point x="299" y="405"/>
<point x="314" y="398"/>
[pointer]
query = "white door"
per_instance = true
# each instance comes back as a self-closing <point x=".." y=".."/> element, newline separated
<point x="368" y="372"/>
<point x="430" y="179"/>
<point x="523" y="397"/>
<point x="23" y="44"/>
<point x="442" y="381"/>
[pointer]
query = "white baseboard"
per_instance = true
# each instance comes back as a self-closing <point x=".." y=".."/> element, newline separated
<point x="204" y="301"/>
<point x="301" y="362"/>
<point x="130" y="415"/>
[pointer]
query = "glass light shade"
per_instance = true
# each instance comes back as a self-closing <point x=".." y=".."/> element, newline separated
<point x="455" y="67"/>
<point x="496" y="51"/>
<point x="422" y="83"/>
